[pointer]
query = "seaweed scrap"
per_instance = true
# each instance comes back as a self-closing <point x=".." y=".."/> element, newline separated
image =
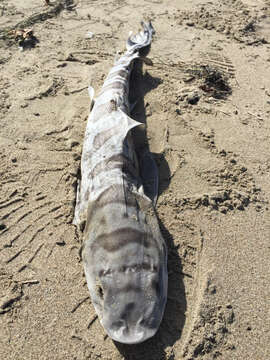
<point x="25" y="38"/>
<point x="213" y="81"/>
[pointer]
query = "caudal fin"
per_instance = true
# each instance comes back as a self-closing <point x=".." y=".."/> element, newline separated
<point x="141" y="41"/>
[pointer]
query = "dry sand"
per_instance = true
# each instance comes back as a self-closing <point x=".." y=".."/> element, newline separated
<point x="206" y="102"/>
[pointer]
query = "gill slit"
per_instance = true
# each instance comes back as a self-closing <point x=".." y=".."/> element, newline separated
<point x="126" y="212"/>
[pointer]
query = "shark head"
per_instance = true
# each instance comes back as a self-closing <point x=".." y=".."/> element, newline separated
<point x="128" y="290"/>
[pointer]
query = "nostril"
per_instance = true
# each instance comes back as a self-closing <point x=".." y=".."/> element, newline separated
<point x="127" y="310"/>
<point x="116" y="325"/>
<point x="130" y="306"/>
<point x="142" y="322"/>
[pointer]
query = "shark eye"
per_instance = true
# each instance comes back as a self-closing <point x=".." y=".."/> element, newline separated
<point x="99" y="290"/>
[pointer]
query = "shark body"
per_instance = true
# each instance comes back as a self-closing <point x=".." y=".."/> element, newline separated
<point x="124" y="254"/>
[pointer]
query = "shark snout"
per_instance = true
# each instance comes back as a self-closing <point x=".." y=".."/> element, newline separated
<point x="133" y="305"/>
<point x="131" y="322"/>
<point x="128" y="333"/>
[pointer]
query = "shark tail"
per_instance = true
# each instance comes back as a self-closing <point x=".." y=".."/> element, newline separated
<point x="141" y="41"/>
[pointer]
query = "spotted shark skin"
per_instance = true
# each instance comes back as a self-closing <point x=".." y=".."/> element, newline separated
<point x="124" y="254"/>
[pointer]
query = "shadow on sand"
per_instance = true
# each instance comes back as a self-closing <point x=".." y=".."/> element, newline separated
<point x="170" y="330"/>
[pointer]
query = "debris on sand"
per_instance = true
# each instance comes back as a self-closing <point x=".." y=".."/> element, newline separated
<point x="193" y="98"/>
<point x="213" y="81"/>
<point x="24" y="37"/>
<point x="89" y="35"/>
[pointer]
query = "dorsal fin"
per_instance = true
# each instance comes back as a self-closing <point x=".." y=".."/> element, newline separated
<point x="129" y="122"/>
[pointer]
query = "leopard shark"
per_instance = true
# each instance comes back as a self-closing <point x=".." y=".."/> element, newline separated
<point x="124" y="254"/>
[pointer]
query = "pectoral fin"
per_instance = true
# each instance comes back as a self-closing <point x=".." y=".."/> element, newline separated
<point x="80" y="212"/>
<point x="91" y="93"/>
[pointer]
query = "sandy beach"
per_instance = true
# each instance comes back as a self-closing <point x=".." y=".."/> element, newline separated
<point x="205" y="100"/>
